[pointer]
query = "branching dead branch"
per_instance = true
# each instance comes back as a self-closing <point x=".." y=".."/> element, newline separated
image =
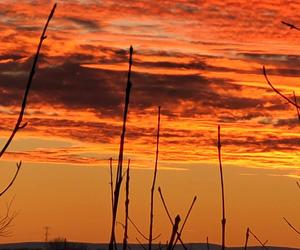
<point x="18" y="124"/>
<point x="5" y="221"/>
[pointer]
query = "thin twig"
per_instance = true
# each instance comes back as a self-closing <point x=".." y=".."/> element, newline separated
<point x="126" y="208"/>
<point x="153" y="183"/>
<point x="298" y="184"/>
<point x="185" y="220"/>
<point x="291" y="226"/>
<point x="18" y="124"/>
<point x="13" y="179"/>
<point x="295" y="99"/>
<point x="140" y="232"/>
<point x="169" y="216"/>
<point x="260" y="242"/>
<point x="137" y="229"/>
<point x="277" y="91"/>
<point x="120" y="160"/>
<point x="5" y="221"/>
<point x="247" y="238"/>
<point x="222" y="188"/>
<point x="291" y="26"/>
<point x="174" y="232"/>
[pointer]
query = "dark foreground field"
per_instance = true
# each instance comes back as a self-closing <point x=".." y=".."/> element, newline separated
<point x="92" y="246"/>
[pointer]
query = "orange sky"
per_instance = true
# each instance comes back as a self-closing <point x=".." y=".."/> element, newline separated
<point x="202" y="62"/>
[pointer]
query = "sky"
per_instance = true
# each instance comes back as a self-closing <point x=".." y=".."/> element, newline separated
<point x="201" y="61"/>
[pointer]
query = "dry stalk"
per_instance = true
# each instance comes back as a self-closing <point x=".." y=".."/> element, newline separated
<point x="126" y="208"/>
<point x="153" y="183"/>
<point x="247" y="238"/>
<point x="169" y="216"/>
<point x="222" y="188"/>
<point x="174" y="232"/>
<point x="185" y="220"/>
<point x="120" y="160"/>
<point x="111" y="183"/>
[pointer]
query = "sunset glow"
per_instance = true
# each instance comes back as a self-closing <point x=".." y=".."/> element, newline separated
<point x="201" y="61"/>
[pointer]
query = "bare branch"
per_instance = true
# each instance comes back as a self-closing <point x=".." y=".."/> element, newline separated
<point x="298" y="184"/>
<point x="153" y="183"/>
<point x="277" y="91"/>
<point x="291" y="26"/>
<point x="32" y="72"/>
<point x="13" y="179"/>
<point x="291" y="226"/>
<point x="222" y="189"/>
